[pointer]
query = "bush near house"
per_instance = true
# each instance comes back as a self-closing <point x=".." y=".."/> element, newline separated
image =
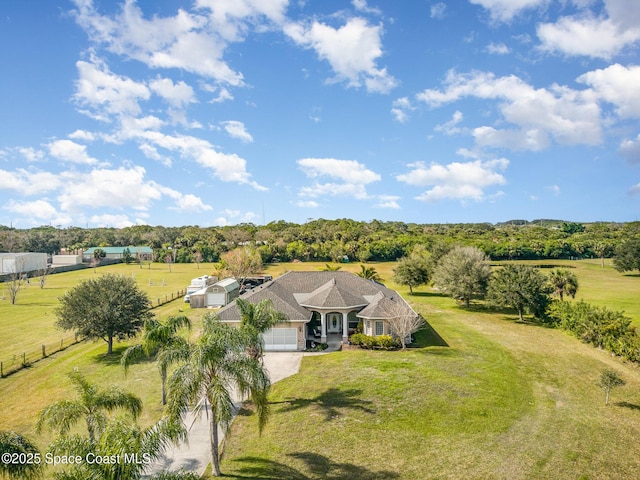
<point x="381" y="342"/>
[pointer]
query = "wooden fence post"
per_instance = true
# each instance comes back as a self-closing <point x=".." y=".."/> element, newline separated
<point x="43" y="352"/>
<point x="1" y="371"/>
<point x="24" y="358"/>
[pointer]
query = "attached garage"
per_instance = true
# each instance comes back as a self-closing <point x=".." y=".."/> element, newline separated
<point x="281" y="339"/>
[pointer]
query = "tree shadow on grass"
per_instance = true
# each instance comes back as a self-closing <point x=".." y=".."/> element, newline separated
<point x="318" y="467"/>
<point x="332" y="401"/>
<point x="114" y="357"/>
<point x="630" y="406"/>
<point x="427" y="294"/>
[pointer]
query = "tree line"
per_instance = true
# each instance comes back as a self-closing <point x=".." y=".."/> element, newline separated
<point x="335" y="240"/>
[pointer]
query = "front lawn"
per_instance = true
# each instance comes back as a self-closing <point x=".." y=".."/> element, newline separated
<point x="503" y="400"/>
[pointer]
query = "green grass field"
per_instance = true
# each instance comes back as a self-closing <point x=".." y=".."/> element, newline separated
<point x="502" y="400"/>
<point x="30" y="323"/>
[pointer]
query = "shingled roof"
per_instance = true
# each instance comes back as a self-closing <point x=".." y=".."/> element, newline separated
<point x="293" y="291"/>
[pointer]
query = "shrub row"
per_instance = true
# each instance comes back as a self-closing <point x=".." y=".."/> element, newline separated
<point x="597" y="326"/>
<point x="382" y="342"/>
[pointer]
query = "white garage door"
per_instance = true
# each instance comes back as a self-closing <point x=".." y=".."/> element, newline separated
<point x="281" y="339"/>
<point x="215" y="299"/>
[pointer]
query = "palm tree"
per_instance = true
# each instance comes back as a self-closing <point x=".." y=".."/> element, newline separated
<point x="217" y="364"/>
<point x="563" y="282"/>
<point x="255" y="320"/>
<point x="91" y="404"/>
<point x="14" y="443"/>
<point x="162" y="340"/>
<point x="129" y="447"/>
<point x="368" y="273"/>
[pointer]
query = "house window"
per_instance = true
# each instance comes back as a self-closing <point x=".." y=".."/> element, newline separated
<point x="379" y="328"/>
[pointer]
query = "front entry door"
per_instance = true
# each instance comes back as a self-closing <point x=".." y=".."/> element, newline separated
<point x="334" y="323"/>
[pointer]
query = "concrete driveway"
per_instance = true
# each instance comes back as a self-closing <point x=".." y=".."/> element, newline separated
<point x="194" y="455"/>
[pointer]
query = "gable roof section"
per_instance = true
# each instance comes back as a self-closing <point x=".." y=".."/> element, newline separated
<point x="330" y="295"/>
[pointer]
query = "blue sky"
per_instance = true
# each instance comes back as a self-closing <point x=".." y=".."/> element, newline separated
<point x="216" y="112"/>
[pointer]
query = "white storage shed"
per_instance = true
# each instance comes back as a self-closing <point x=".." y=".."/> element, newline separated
<point x="22" y="262"/>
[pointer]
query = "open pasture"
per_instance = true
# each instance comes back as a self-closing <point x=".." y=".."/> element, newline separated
<point x="501" y="400"/>
<point x="30" y="323"/>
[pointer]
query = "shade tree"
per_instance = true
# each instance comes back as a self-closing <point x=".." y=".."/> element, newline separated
<point x="412" y="271"/>
<point x="627" y="255"/>
<point x="107" y="307"/>
<point x="463" y="274"/>
<point x="520" y="287"/>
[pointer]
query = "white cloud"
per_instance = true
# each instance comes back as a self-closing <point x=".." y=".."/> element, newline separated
<point x="188" y="41"/>
<point x="505" y="10"/>
<point x="107" y="94"/>
<point x="458" y="180"/>
<point x="592" y="37"/>
<point x="352" y="51"/>
<point x="237" y="130"/>
<point x="618" y="85"/>
<point x="437" y="10"/>
<point x="537" y="116"/>
<point x="29" y="182"/>
<point x="352" y="176"/>
<point x="30" y="154"/>
<point x="189" y="203"/>
<point x="498" y="49"/>
<point x="555" y="189"/>
<point x="362" y="6"/>
<point x="82" y="135"/>
<point x="346" y="170"/>
<point x="121" y="188"/>
<point x="630" y="149"/>
<point x="111" y="220"/>
<point x="354" y="190"/>
<point x="38" y="212"/>
<point x="226" y="167"/>
<point x="69" y="151"/>
<point x="232" y="217"/>
<point x="231" y="18"/>
<point x="307" y="204"/>
<point x="176" y="94"/>
<point x="401" y="108"/>
<point x="387" y="201"/>
<point x="635" y="190"/>
<point x="451" y="127"/>
<point x="151" y="152"/>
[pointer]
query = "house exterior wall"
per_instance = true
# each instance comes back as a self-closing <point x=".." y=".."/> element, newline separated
<point x="369" y="327"/>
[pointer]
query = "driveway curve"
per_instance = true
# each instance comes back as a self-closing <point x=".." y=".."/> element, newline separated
<point x="195" y="454"/>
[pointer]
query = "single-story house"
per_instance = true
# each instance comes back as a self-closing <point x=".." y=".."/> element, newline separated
<point x="138" y="253"/>
<point x="22" y="262"/>
<point x="322" y="303"/>
<point x="217" y="295"/>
